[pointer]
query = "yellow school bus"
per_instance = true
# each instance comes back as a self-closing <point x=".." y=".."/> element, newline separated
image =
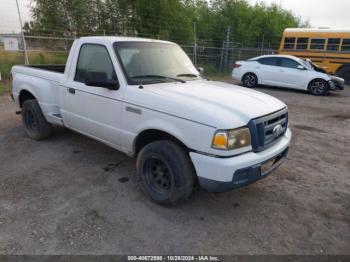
<point x="327" y="48"/>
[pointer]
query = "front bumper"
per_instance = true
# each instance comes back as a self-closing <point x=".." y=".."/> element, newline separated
<point x="222" y="174"/>
<point x="335" y="85"/>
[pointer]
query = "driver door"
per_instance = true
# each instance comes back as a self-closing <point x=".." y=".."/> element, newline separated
<point x="289" y="74"/>
<point x="92" y="110"/>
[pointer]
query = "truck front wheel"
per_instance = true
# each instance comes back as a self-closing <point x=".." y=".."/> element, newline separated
<point x="34" y="121"/>
<point x="165" y="172"/>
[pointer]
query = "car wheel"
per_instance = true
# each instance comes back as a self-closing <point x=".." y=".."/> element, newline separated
<point x="250" y="80"/>
<point x="318" y="87"/>
<point x="34" y="121"/>
<point x="165" y="172"/>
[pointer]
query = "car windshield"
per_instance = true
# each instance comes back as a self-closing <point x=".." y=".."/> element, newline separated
<point x="306" y="63"/>
<point x="154" y="62"/>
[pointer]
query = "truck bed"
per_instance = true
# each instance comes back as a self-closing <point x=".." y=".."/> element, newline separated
<point x="54" y="68"/>
<point x="43" y="82"/>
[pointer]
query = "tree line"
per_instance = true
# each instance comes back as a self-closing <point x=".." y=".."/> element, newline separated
<point x="178" y="20"/>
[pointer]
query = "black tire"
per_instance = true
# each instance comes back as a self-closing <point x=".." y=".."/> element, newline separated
<point x="250" y="80"/>
<point x="345" y="74"/>
<point x="34" y="122"/>
<point x="165" y="172"/>
<point x="318" y="87"/>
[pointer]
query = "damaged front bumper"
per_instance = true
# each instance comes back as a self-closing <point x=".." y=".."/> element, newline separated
<point x="336" y="83"/>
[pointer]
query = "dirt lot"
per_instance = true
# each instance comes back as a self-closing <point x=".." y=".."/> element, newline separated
<point x="72" y="195"/>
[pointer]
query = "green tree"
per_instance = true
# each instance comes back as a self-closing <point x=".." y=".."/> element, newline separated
<point x="164" y="19"/>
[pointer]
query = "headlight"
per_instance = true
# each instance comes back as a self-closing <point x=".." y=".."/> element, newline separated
<point x="231" y="139"/>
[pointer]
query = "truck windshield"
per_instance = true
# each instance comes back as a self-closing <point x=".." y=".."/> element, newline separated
<point x="154" y="62"/>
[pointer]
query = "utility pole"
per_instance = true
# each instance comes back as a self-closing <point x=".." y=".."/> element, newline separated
<point x="227" y="46"/>
<point x="195" y="44"/>
<point x="222" y="55"/>
<point x="26" y="61"/>
<point x="262" y="44"/>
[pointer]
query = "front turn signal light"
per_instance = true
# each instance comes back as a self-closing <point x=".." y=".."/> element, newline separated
<point x="231" y="139"/>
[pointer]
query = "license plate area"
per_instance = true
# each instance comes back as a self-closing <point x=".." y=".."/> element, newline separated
<point x="267" y="166"/>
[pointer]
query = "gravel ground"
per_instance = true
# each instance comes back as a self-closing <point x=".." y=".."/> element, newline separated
<point x="72" y="195"/>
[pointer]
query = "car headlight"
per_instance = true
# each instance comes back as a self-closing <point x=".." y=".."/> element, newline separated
<point x="231" y="139"/>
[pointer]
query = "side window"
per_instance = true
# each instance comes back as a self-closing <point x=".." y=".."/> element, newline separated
<point x="317" y="43"/>
<point x="333" y="44"/>
<point x="302" y="43"/>
<point x="272" y="61"/>
<point x="346" y="45"/>
<point x="94" y="58"/>
<point x="289" y="42"/>
<point x="286" y="62"/>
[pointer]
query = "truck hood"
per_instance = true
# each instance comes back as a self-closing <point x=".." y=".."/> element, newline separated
<point x="217" y="104"/>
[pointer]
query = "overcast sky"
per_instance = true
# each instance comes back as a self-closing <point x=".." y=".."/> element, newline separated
<point x="320" y="13"/>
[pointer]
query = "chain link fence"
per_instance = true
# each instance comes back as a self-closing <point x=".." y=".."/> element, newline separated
<point x="55" y="50"/>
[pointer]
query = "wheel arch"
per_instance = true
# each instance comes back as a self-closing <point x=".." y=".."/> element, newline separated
<point x="314" y="79"/>
<point x="25" y="95"/>
<point x="148" y="136"/>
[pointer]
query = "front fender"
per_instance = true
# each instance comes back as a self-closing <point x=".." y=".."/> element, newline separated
<point x="192" y="134"/>
<point x="164" y="126"/>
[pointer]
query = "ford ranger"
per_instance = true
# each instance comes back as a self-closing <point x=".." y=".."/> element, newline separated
<point x="145" y="98"/>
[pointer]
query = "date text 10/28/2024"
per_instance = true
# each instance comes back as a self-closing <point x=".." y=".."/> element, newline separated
<point x="173" y="258"/>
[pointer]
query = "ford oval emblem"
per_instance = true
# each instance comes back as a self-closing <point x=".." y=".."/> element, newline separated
<point x="277" y="130"/>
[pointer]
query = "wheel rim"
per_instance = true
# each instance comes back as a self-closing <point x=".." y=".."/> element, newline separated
<point x="30" y="120"/>
<point x="317" y="88"/>
<point x="158" y="176"/>
<point x="249" y="80"/>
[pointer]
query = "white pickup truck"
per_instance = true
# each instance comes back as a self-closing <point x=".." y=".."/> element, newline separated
<point x="145" y="98"/>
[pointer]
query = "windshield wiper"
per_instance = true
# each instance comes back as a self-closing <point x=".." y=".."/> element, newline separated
<point x="161" y="77"/>
<point x="188" y="74"/>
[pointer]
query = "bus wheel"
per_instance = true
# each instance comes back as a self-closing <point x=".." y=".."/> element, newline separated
<point x="345" y="74"/>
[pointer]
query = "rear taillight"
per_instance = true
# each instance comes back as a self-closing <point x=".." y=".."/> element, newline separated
<point x="236" y="65"/>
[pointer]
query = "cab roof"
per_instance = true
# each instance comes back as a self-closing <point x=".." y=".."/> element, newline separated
<point x="113" y="39"/>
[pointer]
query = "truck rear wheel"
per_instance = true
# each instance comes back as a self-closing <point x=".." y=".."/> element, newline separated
<point x="165" y="172"/>
<point x="34" y="121"/>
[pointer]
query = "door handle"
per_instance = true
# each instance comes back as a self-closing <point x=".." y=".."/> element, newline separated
<point x="71" y="90"/>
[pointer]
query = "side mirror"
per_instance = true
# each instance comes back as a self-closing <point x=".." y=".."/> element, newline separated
<point x="300" y="67"/>
<point x="200" y="70"/>
<point x="100" y="79"/>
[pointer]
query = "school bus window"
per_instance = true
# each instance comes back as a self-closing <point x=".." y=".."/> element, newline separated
<point x="333" y="44"/>
<point x="317" y="43"/>
<point x="289" y="42"/>
<point x="346" y="44"/>
<point x="302" y="43"/>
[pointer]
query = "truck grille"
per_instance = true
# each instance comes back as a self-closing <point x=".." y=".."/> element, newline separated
<point x="267" y="130"/>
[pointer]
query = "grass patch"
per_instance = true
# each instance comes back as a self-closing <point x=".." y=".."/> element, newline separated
<point x="212" y="71"/>
<point x="9" y="59"/>
<point x="219" y="77"/>
<point x="5" y="87"/>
